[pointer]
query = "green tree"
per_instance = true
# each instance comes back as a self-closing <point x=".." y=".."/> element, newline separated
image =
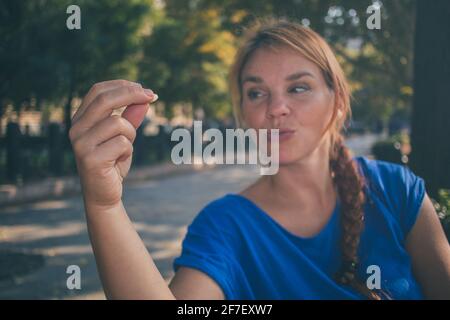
<point x="379" y="66"/>
<point x="186" y="59"/>
<point x="46" y="61"/>
<point x="29" y="69"/>
<point x="107" y="46"/>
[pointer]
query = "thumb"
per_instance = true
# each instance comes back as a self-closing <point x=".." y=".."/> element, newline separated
<point x="135" y="113"/>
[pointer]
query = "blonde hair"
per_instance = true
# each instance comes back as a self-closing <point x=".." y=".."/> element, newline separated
<point x="273" y="33"/>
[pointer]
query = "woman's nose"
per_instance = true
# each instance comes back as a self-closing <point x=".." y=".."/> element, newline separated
<point x="278" y="106"/>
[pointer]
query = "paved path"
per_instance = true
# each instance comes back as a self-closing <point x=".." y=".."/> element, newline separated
<point x="160" y="209"/>
<point x="56" y="231"/>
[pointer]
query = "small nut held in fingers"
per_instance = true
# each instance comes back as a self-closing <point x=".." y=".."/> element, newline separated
<point x="155" y="97"/>
<point x="149" y="92"/>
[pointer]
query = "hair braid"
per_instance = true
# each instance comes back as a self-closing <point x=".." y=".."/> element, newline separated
<point x="350" y="188"/>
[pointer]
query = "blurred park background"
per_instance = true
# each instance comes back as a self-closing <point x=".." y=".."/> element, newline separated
<point x="181" y="49"/>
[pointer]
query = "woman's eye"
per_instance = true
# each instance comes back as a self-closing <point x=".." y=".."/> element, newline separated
<point x="299" y="89"/>
<point x="254" y="94"/>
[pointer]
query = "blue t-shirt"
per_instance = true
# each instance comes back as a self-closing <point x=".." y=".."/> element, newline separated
<point x="251" y="256"/>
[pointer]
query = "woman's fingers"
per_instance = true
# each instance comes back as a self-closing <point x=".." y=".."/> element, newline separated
<point x="104" y="104"/>
<point x="114" y="149"/>
<point x="98" y="88"/>
<point x="105" y="130"/>
<point x="135" y="113"/>
<point x="105" y="155"/>
<point x="102" y="142"/>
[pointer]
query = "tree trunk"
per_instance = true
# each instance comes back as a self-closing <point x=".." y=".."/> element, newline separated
<point x="67" y="120"/>
<point x="430" y="137"/>
<point x="68" y="109"/>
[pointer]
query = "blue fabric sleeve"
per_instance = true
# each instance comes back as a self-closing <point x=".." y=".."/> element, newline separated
<point x="207" y="248"/>
<point x="405" y="192"/>
<point x="412" y="190"/>
<point x="400" y="187"/>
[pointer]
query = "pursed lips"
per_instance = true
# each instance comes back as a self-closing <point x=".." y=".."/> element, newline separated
<point x="284" y="134"/>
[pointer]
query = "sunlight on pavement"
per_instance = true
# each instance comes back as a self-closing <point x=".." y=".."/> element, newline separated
<point x="43" y="205"/>
<point x="67" y="250"/>
<point x="25" y="233"/>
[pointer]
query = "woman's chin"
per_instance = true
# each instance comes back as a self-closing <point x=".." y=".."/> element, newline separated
<point x="289" y="156"/>
<point x="290" y="153"/>
<point x="286" y="158"/>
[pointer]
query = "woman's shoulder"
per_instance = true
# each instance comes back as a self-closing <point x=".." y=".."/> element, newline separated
<point x="397" y="186"/>
<point x="219" y="212"/>
<point x="380" y="167"/>
<point x="224" y="205"/>
<point x="389" y="176"/>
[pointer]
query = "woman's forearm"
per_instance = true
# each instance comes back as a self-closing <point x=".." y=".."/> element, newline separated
<point x="125" y="266"/>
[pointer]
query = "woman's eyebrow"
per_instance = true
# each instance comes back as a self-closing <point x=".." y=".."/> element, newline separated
<point x="254" y="79"/>
<point x="298" y="75"/>
<point x="292" y="77"/>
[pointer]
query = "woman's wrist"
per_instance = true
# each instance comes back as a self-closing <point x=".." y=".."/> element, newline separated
<point x="95" y="210"/>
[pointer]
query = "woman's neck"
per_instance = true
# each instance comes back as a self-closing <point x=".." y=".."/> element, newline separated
<point x="306" y="183"/>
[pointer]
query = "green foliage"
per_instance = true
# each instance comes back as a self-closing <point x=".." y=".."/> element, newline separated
<point x="186" y="60"/>
<point x="28" y="67"/>
<point x="386" y="151"/>
<point x="183" y="49"/>
<point x="379" y="67"/>
<point x="442" y="206"/>
<point x="391" y="149"/>
<point x="46" y="61"/>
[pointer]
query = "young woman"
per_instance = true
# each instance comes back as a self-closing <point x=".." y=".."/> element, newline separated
<point x="326" y="226"/>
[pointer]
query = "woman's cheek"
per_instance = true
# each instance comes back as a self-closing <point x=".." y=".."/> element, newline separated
<point x="313" y="111"/>
<point x="254" y="116"/>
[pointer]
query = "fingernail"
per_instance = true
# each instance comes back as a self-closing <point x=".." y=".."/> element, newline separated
<point x="149" y="92"/>
<point x="155" y="97"/>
